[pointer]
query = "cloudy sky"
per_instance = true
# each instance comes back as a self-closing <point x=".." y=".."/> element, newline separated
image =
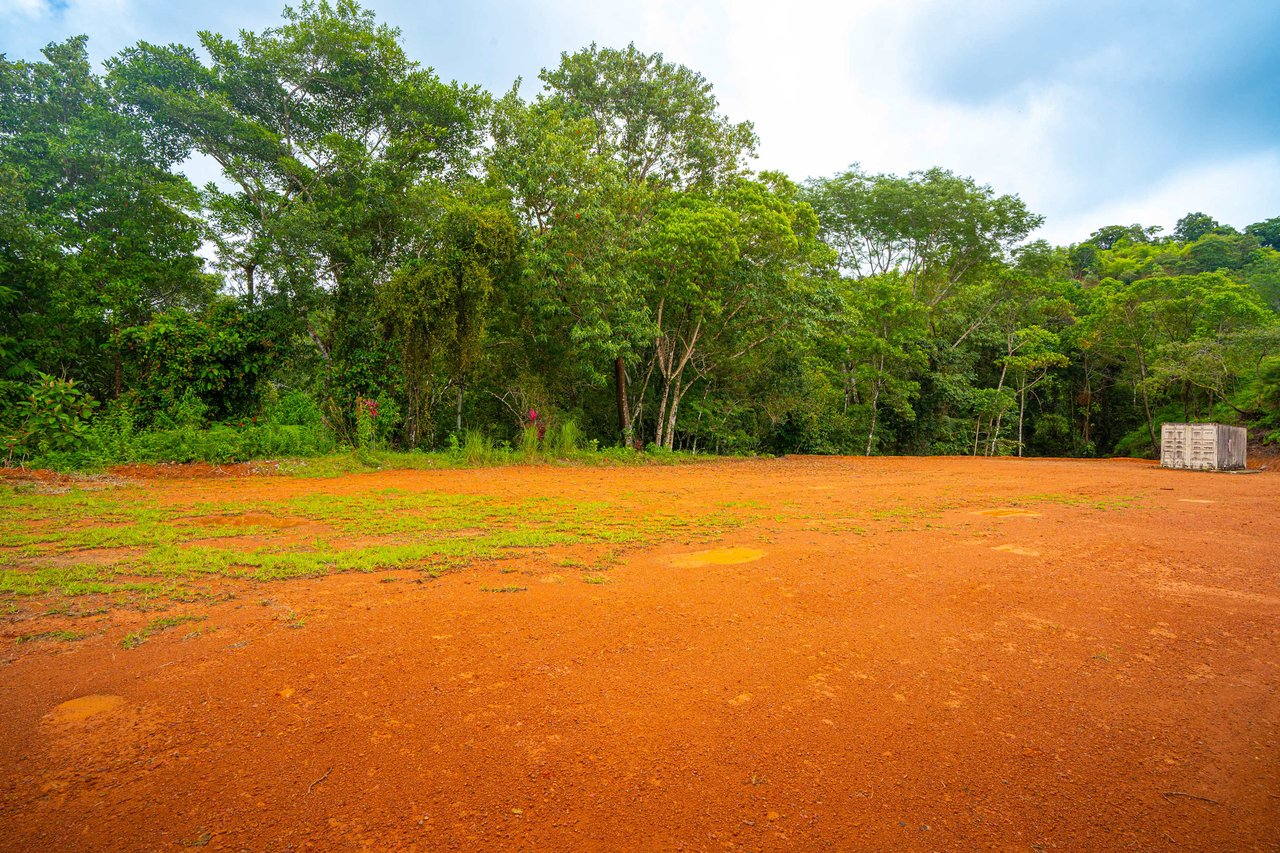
<point x="1095" y="113"/>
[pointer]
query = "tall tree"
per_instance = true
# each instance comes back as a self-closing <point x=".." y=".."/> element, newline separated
<point x="97" y="234"/>
<point x="626" y="130"/>
<point x="1032" y="354"/>
<point x="578" y="301"/>
<point x="885" y="350"/>
<point x="1267" y="232"/>
<point x="942" y="239"/>
<point x="934" y="228"/>
<point x="1193" y="226"/>
<point x="727" y="273"/>
<point x="322" y="126"/>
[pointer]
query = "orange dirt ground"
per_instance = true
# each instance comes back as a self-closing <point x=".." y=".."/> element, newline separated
<point x="1059" y="677"/>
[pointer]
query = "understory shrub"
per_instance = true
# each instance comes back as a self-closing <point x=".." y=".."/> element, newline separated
<point x="112" y="441"/>
<point x="52" y="418"/>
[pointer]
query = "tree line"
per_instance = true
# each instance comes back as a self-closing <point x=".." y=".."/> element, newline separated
<point x="393" y="256"/>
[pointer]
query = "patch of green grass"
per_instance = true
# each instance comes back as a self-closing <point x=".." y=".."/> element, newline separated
<point x="595" y="579"/>
<point x="165" y="554"/>
<point x="41" y="524"/>
<point x="477" y="451"/>
<point x="904" y="512"/>
<point x="504" y="589"/>
<point x="65" y="580"/>
<point x="66" y="608"/>
<point x="1087" y="502"/>
<point x="61" y="636"/>
<point x="136" y="638"/>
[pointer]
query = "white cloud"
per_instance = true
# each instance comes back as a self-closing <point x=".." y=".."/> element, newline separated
<point x="832" y="83"/>
<point x="24" y="8"/>
<point x="1238" y="192"/>
<point x="110" y="24"/>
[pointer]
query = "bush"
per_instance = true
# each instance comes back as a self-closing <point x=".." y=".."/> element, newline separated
<point x="529" y="443"/>
<point x="477" y="448"/>
<point x="113" y="440"/>
<point x="564" y="440"/>
<point x="52" y="419"/>
<point x="217" y="355"/>
<point x="222" y="443"/>
<point x="388" y="424"/>
<point x="112" y="435"/>
<point x="294" y="409"/>
<point x="186" y="412"/>
<point x="366" y="423"/>
<point x="1137" y="442"/>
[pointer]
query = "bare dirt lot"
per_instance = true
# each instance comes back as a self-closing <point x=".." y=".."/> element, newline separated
<point x="806" y="653"/>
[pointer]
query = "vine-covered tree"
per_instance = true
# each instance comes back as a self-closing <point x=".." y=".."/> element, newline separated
<point x="436" y="305"/>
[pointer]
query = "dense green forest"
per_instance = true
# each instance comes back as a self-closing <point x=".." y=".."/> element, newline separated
<point x="392" y="260"/>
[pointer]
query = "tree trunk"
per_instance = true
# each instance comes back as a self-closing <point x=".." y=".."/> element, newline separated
<point x="659" y="425"/>
<point x="875" y="400"/>
<point x="672" y="370"/>
<point x="620" y="387"/>
<point x="995" y="432"/>
<point x="1022" y="410"/>
<point x="117" y="364"/>
<point x="1146" y="402"/>
<point x="671" y="420"/>
<point x="320" y="345"/>
<point x="458" y="411"/>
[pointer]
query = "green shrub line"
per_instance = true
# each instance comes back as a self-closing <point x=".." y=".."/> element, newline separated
<point x="311" y="449"/>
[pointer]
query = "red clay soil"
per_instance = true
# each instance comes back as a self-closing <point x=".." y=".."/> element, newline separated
<point x="1068" y="677"/>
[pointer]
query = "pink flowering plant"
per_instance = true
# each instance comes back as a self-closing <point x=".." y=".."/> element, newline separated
<point x="534" y="430"/>
<point x="540" y="426"/>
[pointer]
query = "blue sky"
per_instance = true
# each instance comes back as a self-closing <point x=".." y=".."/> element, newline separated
<point x="1095" y="113"/>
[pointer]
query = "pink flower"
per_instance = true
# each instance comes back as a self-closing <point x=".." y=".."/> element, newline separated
<point x="533" y="416"/>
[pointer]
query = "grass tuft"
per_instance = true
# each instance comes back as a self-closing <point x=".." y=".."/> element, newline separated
<point x="136" y="638"/>
<point x="60" y="636"/>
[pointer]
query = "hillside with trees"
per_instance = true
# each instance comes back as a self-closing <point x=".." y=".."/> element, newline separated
<point x="392" y="260"/>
